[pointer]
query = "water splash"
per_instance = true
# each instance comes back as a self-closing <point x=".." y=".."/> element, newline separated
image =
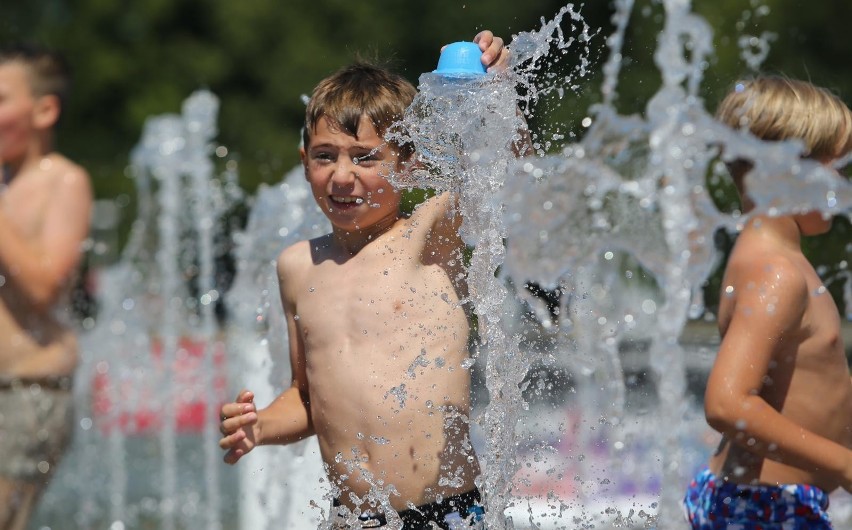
<point x="465" y="132"/>
<point x="637" y="185"/>
<point x="754" y="49"/>
<point x="156" y="358"/>
<point x="274" y="481"/>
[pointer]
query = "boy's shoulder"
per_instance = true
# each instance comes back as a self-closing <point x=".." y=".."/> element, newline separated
<point x="301" y="254"/>
<point x="765" y="263"/>
<point x="57" y="182"/>
<point x="62" y="173"/>
<point x="762" y="272"/>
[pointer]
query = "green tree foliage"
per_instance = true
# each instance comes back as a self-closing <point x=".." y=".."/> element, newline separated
<point x="137" y="59"/>
<point x="132" y="60"/>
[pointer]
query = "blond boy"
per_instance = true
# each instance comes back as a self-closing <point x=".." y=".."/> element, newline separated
<point x="779" y="390"/>
<point x="45" y="203"/>
<point x="378" y="335"/>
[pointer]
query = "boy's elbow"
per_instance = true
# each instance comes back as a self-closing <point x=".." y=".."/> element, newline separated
<point x="43" y="296"/>
<point x="716" y="419"/>
<point x="721" y="414"/>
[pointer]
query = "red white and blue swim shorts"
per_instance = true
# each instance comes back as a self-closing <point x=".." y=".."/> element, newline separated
<point x="714" y="504"/>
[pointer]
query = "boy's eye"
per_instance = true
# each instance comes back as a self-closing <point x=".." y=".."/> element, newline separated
<point x="364" y="159"/>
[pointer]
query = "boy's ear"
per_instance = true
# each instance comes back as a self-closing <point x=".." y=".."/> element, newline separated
<point x="304" y="157"/>
<point x="46" y="111"/>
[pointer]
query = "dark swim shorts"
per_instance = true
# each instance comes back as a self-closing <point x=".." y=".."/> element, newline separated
<point x="458" y="512"/>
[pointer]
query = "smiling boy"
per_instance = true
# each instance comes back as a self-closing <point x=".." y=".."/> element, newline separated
<point x="377" y="332"/>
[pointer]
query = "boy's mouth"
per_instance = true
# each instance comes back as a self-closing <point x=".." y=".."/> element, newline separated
<point x="346" y="199"/>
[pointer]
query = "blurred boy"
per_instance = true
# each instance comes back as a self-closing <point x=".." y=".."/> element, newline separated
<point x="779" y="390"/>
<point x="45" y="203"/>
<point x="378" y="336"/>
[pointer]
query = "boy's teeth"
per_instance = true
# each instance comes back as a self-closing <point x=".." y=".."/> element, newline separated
<point x="356" y="200"/>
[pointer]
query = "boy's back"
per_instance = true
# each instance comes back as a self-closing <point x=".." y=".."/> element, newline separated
<point x="779" y="297"/>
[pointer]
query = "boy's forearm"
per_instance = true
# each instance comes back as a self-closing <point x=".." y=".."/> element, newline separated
<point x="285" y="420"/>
<point x="765" y="432"/>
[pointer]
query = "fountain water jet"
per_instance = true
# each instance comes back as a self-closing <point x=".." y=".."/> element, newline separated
<point x="465" y="129"/>
<point x="152" y="375"/>
<point x="633" y="187"/>
<point x="277" y="483"/>
<point x="637" y="185"/>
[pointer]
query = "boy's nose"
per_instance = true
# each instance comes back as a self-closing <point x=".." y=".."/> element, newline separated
<point x="346" y="172"/>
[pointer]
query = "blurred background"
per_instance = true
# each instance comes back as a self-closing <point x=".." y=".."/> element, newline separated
<point x="261" y="58"/>
<point x="132" y="60"/>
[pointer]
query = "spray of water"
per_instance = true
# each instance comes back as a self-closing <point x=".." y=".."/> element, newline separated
<point x="637" y="185"/>
<point x="277" y="483"/>
<point x="630" y="195"/>
<point x="155" y="343"/>
<point x="465" y="131"/>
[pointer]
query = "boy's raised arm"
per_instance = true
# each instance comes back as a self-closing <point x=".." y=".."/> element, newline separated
<point x="771" y="299"/>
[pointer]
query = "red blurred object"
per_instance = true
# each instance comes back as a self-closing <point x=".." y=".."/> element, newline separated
<point x="137" y="409"/>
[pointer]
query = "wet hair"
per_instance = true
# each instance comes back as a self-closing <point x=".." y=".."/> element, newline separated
<point x="361" y="89"/>
<point x="48" y="71"/>
<point x="776" y="108"/>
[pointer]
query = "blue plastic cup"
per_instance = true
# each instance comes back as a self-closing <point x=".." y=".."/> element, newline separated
<point x="461" y="59"/>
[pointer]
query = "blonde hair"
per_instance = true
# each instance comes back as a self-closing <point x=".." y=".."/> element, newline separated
<point x="361" y="89"/>
<point x="776" y="108"/>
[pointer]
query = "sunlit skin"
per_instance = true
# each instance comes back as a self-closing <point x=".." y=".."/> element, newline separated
<point x="377" y="332"/>
<point x="44" y="218"/>
<point x="45" y="206"/>
<point x="370" y="298"/>
<point x="780" y="390"/>
<point x="19" y="137"/>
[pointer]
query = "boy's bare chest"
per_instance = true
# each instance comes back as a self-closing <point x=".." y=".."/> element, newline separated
<point x="376" y="298"/>
<point x="374" y="285"/>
